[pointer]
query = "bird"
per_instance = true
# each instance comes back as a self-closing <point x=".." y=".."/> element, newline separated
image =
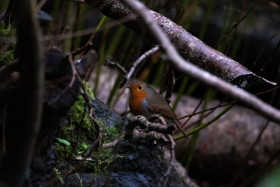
<point x="144" y="100"/>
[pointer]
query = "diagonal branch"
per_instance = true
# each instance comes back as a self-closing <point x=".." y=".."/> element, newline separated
<point x="188" y="46"/>
<point x="199" y="74"/>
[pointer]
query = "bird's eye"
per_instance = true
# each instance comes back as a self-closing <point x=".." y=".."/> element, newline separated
<point x="140" y="87"/>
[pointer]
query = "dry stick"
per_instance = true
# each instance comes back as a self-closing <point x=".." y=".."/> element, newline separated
<point x="113" y="143"/>
<point x="111" y="63"/>
<point x="218" y="106"/>
<point x="193" y="113"/>
<point x="205" y="115"/>
<point x="225" y="104"/>
<point x="199" y="74"/>
<point x="212" y="108"/>
<point x="130" y="74"/>
<point x="99" y="134"/>
<point x="199" y="120"/>
<point x="99" y="130"/>
<point x="136" y="63"/>
<point x="74" y="76"/>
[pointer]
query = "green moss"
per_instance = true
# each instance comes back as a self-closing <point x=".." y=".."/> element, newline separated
<point x="7" y="56"/>
<point x="99" y="163"/>
<point x="89" y="90"/>
<point x="77" y="136"/>
<point x="110" y="134"/>
<point x="79" y="132"/>
<point x="6" y="31"/>
<point x="104" y="158"/>
<point x="58" y="175"/>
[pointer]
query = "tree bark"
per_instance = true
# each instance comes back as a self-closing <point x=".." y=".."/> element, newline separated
<point x="26" y="105"/>
<point x="188" y="46"/>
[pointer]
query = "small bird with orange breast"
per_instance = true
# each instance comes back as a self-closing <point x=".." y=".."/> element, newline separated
<point x="145" y="101"/>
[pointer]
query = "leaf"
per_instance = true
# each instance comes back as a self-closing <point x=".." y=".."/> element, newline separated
<point x="63" y="141"/>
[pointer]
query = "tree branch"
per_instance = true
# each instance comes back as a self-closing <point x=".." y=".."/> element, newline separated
<point x="199" y="74"/>
<point x="188" y="46"/>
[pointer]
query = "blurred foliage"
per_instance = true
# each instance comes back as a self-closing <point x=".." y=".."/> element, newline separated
<point x="271" y="179"/>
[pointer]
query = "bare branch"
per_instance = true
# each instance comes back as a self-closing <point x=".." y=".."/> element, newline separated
<point x="188" y="46"/>
<point x="112" y="63"/>
<point x="113" y="143"/>
<point x="199" y="74"/>
<point x="136" y="63"/>
<point x="99" y="134"/>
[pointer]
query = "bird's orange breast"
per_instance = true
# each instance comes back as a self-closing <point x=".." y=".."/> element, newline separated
<point x="135" y="102"/>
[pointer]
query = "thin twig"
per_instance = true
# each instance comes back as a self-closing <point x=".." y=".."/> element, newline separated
<point x="111" y="63"/>
<point x="235" y="26"/>
<point x="113" y="143"/>
<point x="99" y="133"/>
<point x="74" y="76"/>
<point x="225" y="104"/>
<point x="198" y="128"/>
<point x="186" y="67"/>
<point x="193" y="113"/>
<point x="136" y="64"/>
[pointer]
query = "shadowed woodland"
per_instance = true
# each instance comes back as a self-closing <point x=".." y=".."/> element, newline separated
<point x="64" y="71"/>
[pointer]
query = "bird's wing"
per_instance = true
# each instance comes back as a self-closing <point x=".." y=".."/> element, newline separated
<point x="159" y="105"/>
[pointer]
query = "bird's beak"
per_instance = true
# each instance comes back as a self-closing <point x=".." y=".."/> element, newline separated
<point x="128" y="87"/>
